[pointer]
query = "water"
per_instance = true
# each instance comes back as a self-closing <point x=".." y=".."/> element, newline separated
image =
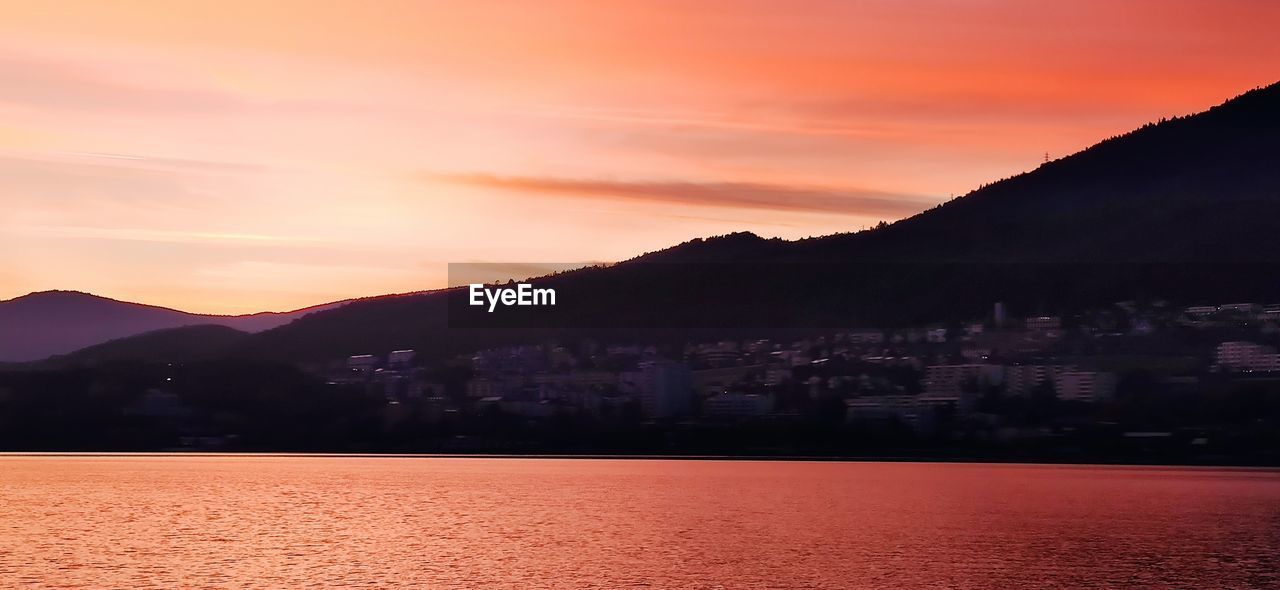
<point x="293" y="522"/>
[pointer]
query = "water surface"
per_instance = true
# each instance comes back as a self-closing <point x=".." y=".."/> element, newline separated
<point x="291" y="522"/>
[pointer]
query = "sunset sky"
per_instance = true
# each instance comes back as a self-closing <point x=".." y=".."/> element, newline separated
<point x="233" y="157"/>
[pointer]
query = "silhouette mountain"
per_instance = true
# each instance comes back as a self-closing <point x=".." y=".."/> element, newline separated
<point x="1204" y="187"/>
<point x="40" y="325"/>
<point x="1183" y="209"/>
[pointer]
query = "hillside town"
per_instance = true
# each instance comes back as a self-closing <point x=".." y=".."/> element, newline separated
<point x="981" y="377"/>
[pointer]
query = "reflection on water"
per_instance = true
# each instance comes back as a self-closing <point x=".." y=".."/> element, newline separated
<point x="184" y="521"/>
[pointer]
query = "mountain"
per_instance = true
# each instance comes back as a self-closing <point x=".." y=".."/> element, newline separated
<point x="1199" y="188"/>
<point x="1183" y="209"/>
<point x="40" y="325"/>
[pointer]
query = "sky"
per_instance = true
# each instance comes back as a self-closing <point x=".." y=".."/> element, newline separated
<point x="233" y="157"/>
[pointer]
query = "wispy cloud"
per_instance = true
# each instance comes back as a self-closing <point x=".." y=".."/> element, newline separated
<point x="167" y="236"/>
<point x="48" y="83"/>
<point x="70" y="188"/>
<point x="97" y="86"/>
<point x="739" y="195"/>
<point x="63" y="183"/>
<point x="167" y="163"/>
<point x="670" y="120"/>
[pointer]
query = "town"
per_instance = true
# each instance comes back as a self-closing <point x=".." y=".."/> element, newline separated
<point x="1000" y="378"/>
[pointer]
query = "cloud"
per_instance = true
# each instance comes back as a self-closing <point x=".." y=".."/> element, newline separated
<point x="68" y="185"/>
<point x="50" y="83"/>
<point x="671" y="119"/>
<point x="98" y="87"/>
<point x="167" y="163"/>
<point x="168" y="236"/>
<point x="734" y="195"/>
<point x="61" y="184"/>
<point x="93" y="178"/>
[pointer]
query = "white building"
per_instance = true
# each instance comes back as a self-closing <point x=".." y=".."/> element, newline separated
<point x="1086" y="386"/>
<point x="1044" y="323"/>
<point x="1247" y="356"/>
<point x="362" y="362"/>
<point x="973" y="352"/>
<point x="399" y="359"/>
<point x="1022" y="379"/>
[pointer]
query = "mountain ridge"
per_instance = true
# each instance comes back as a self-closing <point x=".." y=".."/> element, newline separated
<point x="42" y="324"/>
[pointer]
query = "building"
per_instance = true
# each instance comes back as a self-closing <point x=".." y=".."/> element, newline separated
<point x="775" y="375"/>
<point x="1023" y="379"/>
<point x="400" y="359"/>
<point x="576" y="379"/>
<point x="362" y="362"/>
<point x="394" y="385"/>
<point x="910" y="335"/>
<point x="717" y="378"/>
<point x="737" y="405"/>
<point x="719" y="354"/>
<point x="665" y="388"/>
<point x="528" y="406"/>
<point x="1246" y="356"/>
<point x="880" y="410"/>
<point x="865" y="336"/>
<point x="973" y="352"/>
<point x="1086" y="386"/>
<point x="419" y="389"/>
<point x="1044" y="323"/>
<point x="950" y="380"/>
<point x="936" y="335"/>
<point x="482" y="387"/>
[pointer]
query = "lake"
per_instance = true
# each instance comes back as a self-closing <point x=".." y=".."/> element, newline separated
<point x="179" y="521"/>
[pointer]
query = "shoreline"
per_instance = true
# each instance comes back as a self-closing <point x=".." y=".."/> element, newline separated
<point x="640" y="457"/>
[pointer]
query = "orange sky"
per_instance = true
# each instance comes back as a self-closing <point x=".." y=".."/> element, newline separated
<point x="240" y="156"/>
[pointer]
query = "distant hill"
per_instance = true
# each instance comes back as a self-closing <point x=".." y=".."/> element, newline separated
<point x="40" y="325"/>
<point x="1183" y="208"/>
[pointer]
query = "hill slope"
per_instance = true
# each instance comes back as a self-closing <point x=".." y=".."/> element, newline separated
<point x="172" y="345"/>
<point x="1204" y="187"/>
